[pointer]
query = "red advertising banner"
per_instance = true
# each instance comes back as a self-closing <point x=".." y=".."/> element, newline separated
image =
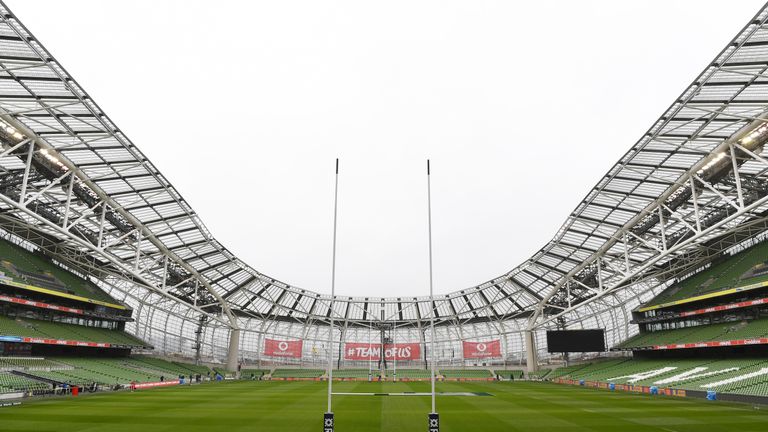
<point x="43" y="341"/>
<point x="281" y="348"/>
<point x="156" y="384"/>
<point x="65" y="342"/>
<point x="39" y="304"/>
<point x="737" y="342"/>
<point x="365" y="351"/>
<point x="481" y="350"/>
<point x="743" y="304"/>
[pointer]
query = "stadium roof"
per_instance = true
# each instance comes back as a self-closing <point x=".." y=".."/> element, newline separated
<point x="692" y="186"/>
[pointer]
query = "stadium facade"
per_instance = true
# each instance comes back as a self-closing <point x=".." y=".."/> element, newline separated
<point x="75" y="188"/>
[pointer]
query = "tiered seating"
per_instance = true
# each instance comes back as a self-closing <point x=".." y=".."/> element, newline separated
<point x="54" y="330"/>
<point x="741" y="376"/>
<point x="714" y="332"/>
<point x="168" y="369"/>
<point x="10" y="383"/>
<point x="111" y="371"/>
<point x="733" y="272"/>
<point x="743" y="367"/>
<point x="29" y="363"/>
<point x="133" y="367"/>
<point x="246" y="373"/>
<point x="571" y="371"/>
<point x="611" y="370"/>
<point x="512" y="374"/>
<point x="26" y="267"/>
<point x="540" y="375"/>
<point x="410" y="373"/>
<point x="753" y="387"/>
<point x="353" y="373"/>
<point x="298" y="373"/>
<point x="466" y="373"/>
<point x="78" y="376"/>
<point x="108" y="371"/>
<point x="196" y="369"/>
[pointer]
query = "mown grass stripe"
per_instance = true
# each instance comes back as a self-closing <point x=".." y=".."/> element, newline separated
<point x="298" y="406"/>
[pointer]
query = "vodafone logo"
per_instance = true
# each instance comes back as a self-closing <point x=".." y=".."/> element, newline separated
<point x="481" y="350"/>
<point x="281" y="348"/>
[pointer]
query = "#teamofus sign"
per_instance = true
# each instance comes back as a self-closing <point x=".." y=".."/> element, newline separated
<point x="482" y="350"/>
<point x="364" y="351"/>
<point x="281" y="348"/>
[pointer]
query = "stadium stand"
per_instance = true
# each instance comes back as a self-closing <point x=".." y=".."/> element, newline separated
<point x="34" y="328"/>
<point x="28" y="363"/>
<point x="539" y="375"/>
<point x="86" y="371"/>
<point x="724" y="306"/>
<point x="10" y="383"/>
<point x="27" y="327"/>
<point x="744" y="268"/>
<point x="83" y="376"/>
<point x="409" y="373"/>
<point x="255" y="373"/>
<point x="516" y="374"/>
<point x="168" y="369"/>
<point x="354" y="373"/>
<point x="25" y="267"/>
<point x="466" y="373"/>
<point x="578" y="369"/>
<point x="298" y="373"/>
<point x="196" y="369"/>
<point x="738" y="376"/>
<point x="706" y="333"/>
<point x="47" y="311"/>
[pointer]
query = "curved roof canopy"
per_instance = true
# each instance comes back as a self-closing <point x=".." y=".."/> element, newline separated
<point x="691" y="186"/>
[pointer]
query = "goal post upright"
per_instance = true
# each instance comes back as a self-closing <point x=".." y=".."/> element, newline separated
<point x="328" y="417"/>
<point x="433" y="420"/>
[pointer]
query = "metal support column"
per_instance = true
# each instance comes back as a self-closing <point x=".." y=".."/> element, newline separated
<point x="530" y="352"/>
<point x="27" y="168"/>
<point x="234" y="349"/>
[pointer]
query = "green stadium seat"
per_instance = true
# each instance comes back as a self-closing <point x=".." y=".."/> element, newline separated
<point x="707" y="333"/>
<point x="466" y="373"/>
<point x="23" y="266"/>
<point x="54" y="330"/>
<point x="298" y="373"/>
<point x="736" y="271"/>
<point x="670" y="373"/>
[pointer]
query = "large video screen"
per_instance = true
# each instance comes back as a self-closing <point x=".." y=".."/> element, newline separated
<point x="576" y="340"/>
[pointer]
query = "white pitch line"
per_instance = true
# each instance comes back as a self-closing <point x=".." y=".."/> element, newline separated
<point x="403" y="394"/>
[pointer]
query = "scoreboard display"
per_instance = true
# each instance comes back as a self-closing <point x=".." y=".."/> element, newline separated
<point x="562" y="341"/>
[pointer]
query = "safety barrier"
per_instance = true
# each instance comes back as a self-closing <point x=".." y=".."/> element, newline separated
<point x="623" y="387"/>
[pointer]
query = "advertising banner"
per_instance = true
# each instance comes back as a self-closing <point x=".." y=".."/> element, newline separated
<point x="25" y="302"/>
<point x="482" y="350"/>
<point x="156" y="384"/>
<point x="748" y="303"/>
<point x="365" y="351"/>
<point x="706" y="296"/>
<point x="65" y="342"/>
<point x="737" y="342"/>
<point x="281" y="348"/>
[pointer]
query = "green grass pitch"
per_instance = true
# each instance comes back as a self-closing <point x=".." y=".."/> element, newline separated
<point x="298" y="407"/>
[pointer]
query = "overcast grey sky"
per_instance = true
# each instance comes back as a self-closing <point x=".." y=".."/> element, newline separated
<point x="522" y="107"/>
